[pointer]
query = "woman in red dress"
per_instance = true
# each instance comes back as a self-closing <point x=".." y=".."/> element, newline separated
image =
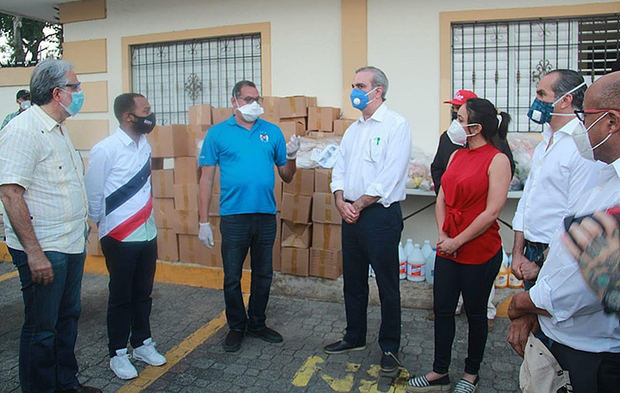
<point x="469" y="249"/>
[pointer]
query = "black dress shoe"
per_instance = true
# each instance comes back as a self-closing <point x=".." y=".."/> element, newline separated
<point x="389" y="363"/>
<point x="80" y="389"/>
<point x="232" y="343"/>
<point x="266" y="334"/>
<point x="342" y="347"/>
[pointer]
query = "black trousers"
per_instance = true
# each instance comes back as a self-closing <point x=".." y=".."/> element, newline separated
<point x="589" y="372"/>
<point x="131" y="266"/>
<point x="372" y="240"/>
<point x="474" y="282"/>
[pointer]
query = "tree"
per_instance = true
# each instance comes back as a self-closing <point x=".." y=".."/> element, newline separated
<point x="28" y="41"/>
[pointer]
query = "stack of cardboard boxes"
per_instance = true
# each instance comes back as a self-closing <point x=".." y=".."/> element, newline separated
<point x="308" y="224"/>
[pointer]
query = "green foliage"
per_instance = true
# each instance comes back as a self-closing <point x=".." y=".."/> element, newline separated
<point x="28" y="41"/>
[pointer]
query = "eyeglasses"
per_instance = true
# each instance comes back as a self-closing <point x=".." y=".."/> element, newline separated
<point x="581" y="114"/>
<point x="250" y="100"/>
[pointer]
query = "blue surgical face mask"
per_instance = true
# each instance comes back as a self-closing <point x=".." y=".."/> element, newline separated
<point x="359" y="98"/>
<point x="77" y="100"/>
<point x="541" y="112"/>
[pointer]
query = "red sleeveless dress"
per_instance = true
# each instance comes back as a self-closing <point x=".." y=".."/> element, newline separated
<point x="465" y="185"/>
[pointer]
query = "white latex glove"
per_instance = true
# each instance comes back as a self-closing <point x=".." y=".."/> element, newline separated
<point x="292" y="147"/>
<point x="206" y="234"/>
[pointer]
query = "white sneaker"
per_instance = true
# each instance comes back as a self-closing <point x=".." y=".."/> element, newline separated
<point x="121" y="365"/>
<point x="148" y="354"/>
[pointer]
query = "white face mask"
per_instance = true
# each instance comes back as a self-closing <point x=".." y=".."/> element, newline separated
<point x="582" y="140"/>
<point x="457" y="133"/>
<point x="24" y="105"/>
<point x="250" y="112"/>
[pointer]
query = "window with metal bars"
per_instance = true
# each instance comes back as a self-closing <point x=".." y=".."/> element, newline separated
<point x="504" y="60"/>
<point x="176" y="75"/>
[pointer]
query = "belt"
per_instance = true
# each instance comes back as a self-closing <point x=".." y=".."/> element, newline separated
<point x="536" y="244"/>
<point x="376" y="204"/>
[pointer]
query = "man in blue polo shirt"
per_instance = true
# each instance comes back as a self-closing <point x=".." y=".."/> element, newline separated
<point x="246" y="149"/>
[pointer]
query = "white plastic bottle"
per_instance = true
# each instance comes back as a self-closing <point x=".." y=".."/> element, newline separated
<point x="408" y="255"/>
<point x="402" y="262"/>
<point x="416" y="263"/>
<point x="427" y="249"/>
<point x="430" y="268"/>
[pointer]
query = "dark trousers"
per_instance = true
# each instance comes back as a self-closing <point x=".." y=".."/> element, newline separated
<point x="132" y="269"/>
<point x="474" y="282"/>
<point x="241" y="232"/>
<point x="534" y="252"/>
<point x="372" y="240"/>
<point x="589" y="372"/>
<point x="46" y="348"/>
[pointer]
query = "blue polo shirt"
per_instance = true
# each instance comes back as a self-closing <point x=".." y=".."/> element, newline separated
<point x="246" y="159"/>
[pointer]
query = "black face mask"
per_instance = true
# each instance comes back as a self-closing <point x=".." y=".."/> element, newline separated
<point x="144" y="125"/>
<point x="453" y="115"/>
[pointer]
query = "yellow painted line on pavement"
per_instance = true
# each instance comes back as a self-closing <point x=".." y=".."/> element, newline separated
<point x="150" y="374"/>
<point x="9" y="275"/>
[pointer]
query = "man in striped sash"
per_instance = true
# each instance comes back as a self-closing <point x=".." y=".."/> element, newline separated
<point x="118" y="184"/>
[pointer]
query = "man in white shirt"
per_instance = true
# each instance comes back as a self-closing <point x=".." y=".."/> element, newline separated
<point x="118" y="183"/>
<point x="42" y="189"/>
<point x="559" y="175"/>
<point x="368" y="182"/>
<point x="582" y="337"/>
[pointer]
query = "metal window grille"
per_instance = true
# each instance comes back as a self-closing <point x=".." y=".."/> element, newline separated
<point x="176" y="75"/>
<point x="503" y="61"/>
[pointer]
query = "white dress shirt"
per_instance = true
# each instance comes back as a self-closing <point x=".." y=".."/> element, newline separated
<point x="37" y="154"/>
<point x="558" y="178"/>
<point x="577" y="317"/>
<point x="373" y="158"/>
<point x="118" y="182"/>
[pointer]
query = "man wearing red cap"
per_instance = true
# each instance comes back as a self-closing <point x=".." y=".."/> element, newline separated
<point x="446" y="146"/>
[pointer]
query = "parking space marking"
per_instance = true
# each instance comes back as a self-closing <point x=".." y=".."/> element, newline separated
<point x="9" y="275"/>
<point x="150" y="374"/>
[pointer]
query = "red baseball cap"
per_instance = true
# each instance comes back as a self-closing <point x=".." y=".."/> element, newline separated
<point x="461" y="96"/>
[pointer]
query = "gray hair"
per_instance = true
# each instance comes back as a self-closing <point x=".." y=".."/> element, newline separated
<point x="378" y="80"/>
<point x="48" y="75"/>
<point x="236" y="92"/>
<point x="568" y="80"/>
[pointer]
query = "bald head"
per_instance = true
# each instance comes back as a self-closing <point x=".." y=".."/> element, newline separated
<point x="604" y="93"/>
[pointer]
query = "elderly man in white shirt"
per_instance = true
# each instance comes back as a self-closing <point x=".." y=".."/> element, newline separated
<point x="368" y="182"/>
<point x="559" y="175"/>
<point x="582" y="337"/>
<point x="42" y="189"/>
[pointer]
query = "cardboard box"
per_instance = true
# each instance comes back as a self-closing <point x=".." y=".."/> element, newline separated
<point x="186" y="222"/>
<point x="277" y="189"/>
<point x="191" y="250"/>
<point x="322" y="180"/>
<point x="215" y="227"/>
<point x="171" y="141"/>
<point x="321" y="118"/>
<point x="294" y="261"/>
<point x="186" y="197"/>
<point x="219" y="115"/>
<point x="341" y="125"/>
<point x="162" y="182"/>
<point x="319" y="134"/>
<point x="296" y="235"/>
<point x="167" y="245"/>
<point x="324" y="263"/>
<point x="288" y="129"/>
<point x="157" y="163"/>
<point x="216" y="180"/>
<point x="302" y="183"/>
<point x="296" y="208"/>
<point x="200" y="114"/>
<point x="271" y="106"/>
<point x="296" y="106"/>
<point x="298" y="124"/>
<point x="327" y="236"/>
<point x="163" y="209"/>
<point x="186" y="170"/>
<point x="324" y="209"/>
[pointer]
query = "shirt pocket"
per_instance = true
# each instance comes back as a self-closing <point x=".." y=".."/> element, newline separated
<point x="373" y="152"/>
